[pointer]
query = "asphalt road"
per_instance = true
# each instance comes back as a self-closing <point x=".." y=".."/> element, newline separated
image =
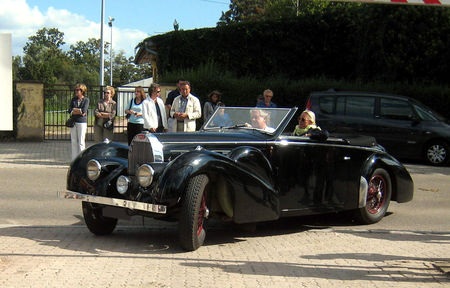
<point x="44" y="243"/>
<point x="28" y="197"/>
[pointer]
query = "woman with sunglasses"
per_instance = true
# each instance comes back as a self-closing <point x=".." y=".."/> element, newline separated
<point x="306" y="122"/>
<point x="78" y="110"/>
<point x="153" y="111"/>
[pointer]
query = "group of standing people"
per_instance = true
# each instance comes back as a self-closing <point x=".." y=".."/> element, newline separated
<point x="105" y="112"/>
<point x="183" y="109"/>
<point x="143" y="113"/>
<point x="146" y="113"/>
<point x="149" y="113"/>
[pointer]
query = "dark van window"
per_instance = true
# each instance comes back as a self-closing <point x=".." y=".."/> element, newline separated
<point x="356" y="106"/>
<point x="426" y="114"/>
<point x="395" y="109"/>
<point x="326" y="104"/>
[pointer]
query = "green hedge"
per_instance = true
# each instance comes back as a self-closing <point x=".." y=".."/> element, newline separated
<point x="243" y="91"/>
<point x="344" y="41"/>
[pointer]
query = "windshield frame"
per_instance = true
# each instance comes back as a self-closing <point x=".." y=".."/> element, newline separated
<point x="282" y="119"/>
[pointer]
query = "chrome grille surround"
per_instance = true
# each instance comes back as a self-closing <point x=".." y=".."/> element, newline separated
<point x="144" y="149"/>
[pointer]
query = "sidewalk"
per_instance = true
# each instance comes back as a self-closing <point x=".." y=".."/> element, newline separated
<point x="46" y="153"/>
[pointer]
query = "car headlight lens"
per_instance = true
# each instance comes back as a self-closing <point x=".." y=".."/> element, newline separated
<point x="93" y="169"/>
<point x="145" y="175"/>
<point x="122" y="184"/>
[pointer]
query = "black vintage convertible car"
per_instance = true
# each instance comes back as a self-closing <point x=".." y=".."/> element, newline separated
<point x="244" y="166"/>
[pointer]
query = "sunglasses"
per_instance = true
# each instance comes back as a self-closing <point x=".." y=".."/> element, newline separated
<point x="158" y="91"/>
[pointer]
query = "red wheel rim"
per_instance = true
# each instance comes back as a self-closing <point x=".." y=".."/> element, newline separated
<point x="376" y="195"/>
<point x="201" y="215"/>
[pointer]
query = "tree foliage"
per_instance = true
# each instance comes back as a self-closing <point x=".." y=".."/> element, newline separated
<point x="257" y="10"/>
<point x="44" y="60"/>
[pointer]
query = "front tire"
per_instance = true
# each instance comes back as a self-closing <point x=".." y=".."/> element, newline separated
<point x="437" y="153"/>
<point x="194" y="214"/>
<point x="95" y="221"/>
<point x="378" y="198"/>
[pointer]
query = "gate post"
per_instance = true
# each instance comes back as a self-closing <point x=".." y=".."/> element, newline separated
<point x="30" y="123"/>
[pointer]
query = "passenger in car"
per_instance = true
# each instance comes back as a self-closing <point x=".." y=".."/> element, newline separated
<point x="306" y="122"/>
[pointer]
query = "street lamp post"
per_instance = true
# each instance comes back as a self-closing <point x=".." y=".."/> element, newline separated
<point x="102" y="67"/>
<point x="111" y="19"/>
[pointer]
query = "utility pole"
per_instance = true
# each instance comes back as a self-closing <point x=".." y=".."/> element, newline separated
<point x="102" y="45"/>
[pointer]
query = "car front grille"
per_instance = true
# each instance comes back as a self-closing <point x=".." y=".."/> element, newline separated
<point x="140" y="153"/>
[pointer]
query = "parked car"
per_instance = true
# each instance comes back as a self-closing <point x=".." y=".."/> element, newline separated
<point x="402" y="125"/>
<point x="237" y="170"/>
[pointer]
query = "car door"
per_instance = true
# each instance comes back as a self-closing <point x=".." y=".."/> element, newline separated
<point x="355" y="114"/>
<point x="398" y="129"/>
<point x="310" y="175"/>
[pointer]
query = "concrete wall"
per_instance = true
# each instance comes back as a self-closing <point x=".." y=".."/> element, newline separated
<point x="30" y="125"/>
<point x="6" y="97"/>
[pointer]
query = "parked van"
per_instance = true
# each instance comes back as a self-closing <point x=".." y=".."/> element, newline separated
<point x="406" y="128"/>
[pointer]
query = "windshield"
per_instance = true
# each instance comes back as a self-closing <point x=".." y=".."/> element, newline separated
<point x="263" y="119"/>
<point x="426" y="113"/>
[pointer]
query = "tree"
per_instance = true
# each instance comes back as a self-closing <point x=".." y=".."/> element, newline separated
<point x="277" y="9"/>
<point x="86" y="53"/>
<point x="43" y="58"/>
<point x="243" y="11"/>
<point x="51" y="38"/>
<point x="255" y="10"/>
<point x="18" y="68"/>
<point x="125" y="71"/>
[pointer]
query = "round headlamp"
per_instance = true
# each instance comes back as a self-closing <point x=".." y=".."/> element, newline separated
<point x="145" y="175"/>
<point x="93" y="169"/>
<point x="122" y="184"/>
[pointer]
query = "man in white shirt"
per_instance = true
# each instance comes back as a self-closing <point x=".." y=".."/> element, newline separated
<point x="185" y="110"/>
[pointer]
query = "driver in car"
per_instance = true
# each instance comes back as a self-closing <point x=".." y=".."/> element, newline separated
<point x="260" y="119"/>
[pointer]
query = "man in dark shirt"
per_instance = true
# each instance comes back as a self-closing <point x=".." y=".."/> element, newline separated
<point x="173" y="94"/>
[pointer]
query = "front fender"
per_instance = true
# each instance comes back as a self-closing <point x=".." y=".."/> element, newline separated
<point x="113" y="159"/>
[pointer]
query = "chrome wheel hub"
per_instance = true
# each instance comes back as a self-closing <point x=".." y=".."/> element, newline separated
<point x="436" y="154"/>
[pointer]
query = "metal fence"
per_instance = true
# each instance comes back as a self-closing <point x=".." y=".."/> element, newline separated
<point x="56" y="103"/>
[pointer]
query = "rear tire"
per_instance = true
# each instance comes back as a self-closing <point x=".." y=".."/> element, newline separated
<point x="378" y="198"/>
<point x="437" y="153"/>
<point x="95" y="221"/>
<point x="194" y="214"/>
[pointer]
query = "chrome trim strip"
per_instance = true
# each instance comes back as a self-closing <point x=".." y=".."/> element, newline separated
<point x="276" y="142"/>
<point x="363" y="189"/>
<point x="134" y="205"/>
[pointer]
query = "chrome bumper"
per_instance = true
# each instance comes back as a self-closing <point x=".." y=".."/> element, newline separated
<point x="134" y="205"/>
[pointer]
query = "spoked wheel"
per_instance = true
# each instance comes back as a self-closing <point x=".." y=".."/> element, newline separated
<point x="95" y="221"/>
<point x="194" y="214"/>
<point x="437" y="153"/>
<point x="378" y="198"/>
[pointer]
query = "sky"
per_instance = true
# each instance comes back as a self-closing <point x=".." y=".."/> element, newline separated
<point x="80" y="20"/>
